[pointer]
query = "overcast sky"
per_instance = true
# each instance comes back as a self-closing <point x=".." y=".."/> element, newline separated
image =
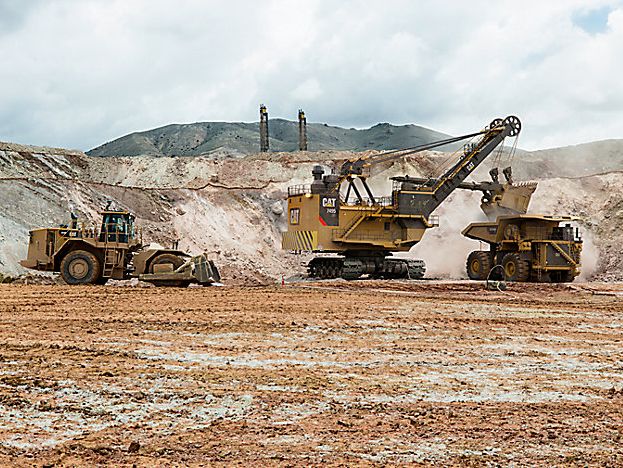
<point x="77" y="73"/>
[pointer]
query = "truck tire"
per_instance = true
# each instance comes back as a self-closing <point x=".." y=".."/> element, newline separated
<point x="561" y="276"/>
<point x="515" y="268"/>
<point x="479" y="265"/>
<point x="166" y="258"/>
<point x="80" y="267"/>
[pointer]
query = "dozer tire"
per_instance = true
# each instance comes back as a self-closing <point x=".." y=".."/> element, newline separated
<point x="479" y="265"/>
<point x="515" y="269"/>
<point x="166" y="258"/>
<point x="80" y="267"/>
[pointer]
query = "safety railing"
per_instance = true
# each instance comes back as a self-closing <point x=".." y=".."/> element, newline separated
<point x="363" y="236"/>
<point x="109" y="233"/>
<point x="380" y="201"/>
<point x="80" y="231"/>
<point x="296" y="190"/>
<point x="116" y="233"/>
<point x="397" y="186"/>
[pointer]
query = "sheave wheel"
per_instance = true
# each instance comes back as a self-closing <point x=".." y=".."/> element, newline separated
<point x="479" y="265"/>
<point x="80" y="267"/>
<point x="515" y="269"/>
<point x="166" y="258"/>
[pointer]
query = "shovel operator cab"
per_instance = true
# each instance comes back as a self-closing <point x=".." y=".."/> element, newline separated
<point x="339" y="214"/>
<point x="83" y="254"/>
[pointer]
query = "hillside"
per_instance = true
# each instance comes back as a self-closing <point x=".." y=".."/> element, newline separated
<point x="243" y="138"/>
<point x="233" y="207"/>
<point x="574" y="161"/>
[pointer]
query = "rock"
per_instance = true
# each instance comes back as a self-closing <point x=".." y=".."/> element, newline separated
<point x="6" y="278"/>
<point x="277" y="208"/>
<point x="36" y="279"/>
<point x="134" y="447"/>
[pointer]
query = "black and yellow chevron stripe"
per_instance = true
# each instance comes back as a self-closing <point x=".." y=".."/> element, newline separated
<point x="300" y="240"/>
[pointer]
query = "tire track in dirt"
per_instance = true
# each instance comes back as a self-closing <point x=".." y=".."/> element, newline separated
<point x="448" y="374"/>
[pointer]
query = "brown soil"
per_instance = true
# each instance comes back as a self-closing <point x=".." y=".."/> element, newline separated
<point x="311" y="373"/>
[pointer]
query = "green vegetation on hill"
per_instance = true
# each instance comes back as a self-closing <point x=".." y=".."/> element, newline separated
<point x="204" y="137"/>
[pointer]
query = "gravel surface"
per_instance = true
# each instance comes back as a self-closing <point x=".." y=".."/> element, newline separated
<point x="328" y="372"/>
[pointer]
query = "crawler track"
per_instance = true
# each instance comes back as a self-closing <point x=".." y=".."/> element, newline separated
<point x="355" y="268"/>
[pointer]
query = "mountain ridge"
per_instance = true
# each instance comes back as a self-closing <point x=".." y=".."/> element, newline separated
<point x="200" y="138"/>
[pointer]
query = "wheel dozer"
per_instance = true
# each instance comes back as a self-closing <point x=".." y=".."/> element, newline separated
<point x="85" y="254"/>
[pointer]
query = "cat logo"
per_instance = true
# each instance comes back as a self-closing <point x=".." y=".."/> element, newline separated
<point x="329" y="213"/>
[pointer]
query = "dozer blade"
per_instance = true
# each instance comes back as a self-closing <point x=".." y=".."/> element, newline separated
<point x="198" y="269"/>
<point x="205" y="271"/>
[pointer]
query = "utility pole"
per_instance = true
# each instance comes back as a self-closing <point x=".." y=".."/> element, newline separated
<point x="263" y="129"/>
<point x="302" y="131"/>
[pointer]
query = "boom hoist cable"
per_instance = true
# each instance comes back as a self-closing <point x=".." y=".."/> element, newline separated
<point x="451" y="160"/>
<point x="355" y="167"/>
<point x="433" y="190"/>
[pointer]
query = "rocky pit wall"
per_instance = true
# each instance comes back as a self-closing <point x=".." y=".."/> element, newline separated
<point x="234" y="208"/>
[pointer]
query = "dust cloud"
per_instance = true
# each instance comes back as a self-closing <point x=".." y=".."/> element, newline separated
<point x="590" y="257"/>
<point x="444" y="249"/>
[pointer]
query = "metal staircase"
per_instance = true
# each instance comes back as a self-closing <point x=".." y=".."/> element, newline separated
<point x="356" y="222"/>
<point x="110" y="261"/>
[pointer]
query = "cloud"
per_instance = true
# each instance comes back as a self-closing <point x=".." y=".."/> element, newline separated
<point x="78" y="73"/>
<point x="13" y="13"/>
<point x="307" y="91"/>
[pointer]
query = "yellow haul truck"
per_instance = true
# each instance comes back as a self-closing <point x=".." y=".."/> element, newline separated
<point x="87" y="255"/>
<point x="522" y="247"/>
<point x="339" y="214"/>
<point x="526" y="247"/>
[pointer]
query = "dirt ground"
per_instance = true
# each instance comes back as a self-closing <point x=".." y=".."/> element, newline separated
<point x="311" y="373"/>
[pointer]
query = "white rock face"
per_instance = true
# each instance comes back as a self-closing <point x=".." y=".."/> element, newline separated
<point x="233" y="207"/>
